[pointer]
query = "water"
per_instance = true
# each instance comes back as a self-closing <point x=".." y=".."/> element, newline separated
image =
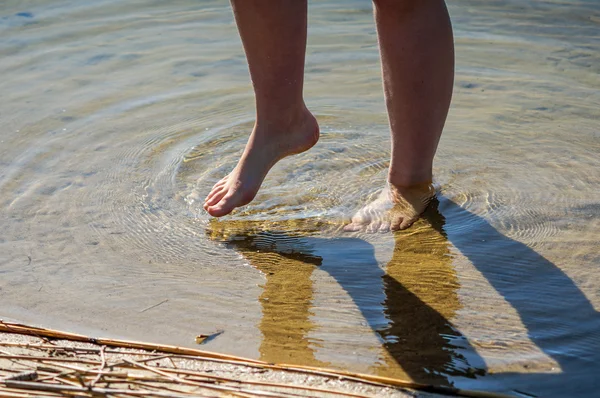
<point x="118" y="117"/>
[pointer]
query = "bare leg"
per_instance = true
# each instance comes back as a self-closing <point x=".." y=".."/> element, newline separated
<point x="417" y="57"/>
<point x="274" y="38"/>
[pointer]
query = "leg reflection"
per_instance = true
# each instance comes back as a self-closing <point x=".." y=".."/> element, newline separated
<point x="287" y="293"/>
<point x="421" y="287"/>
<point x="408" y="306"/>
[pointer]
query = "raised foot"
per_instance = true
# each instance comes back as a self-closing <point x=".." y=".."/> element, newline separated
<point x="266" y="146"/>
<point x="396" y="208"/>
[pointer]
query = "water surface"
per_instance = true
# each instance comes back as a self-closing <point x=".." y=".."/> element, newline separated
<point x="118" y="117"/>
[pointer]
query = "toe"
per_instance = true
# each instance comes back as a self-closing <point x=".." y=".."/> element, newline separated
<point x="212" y="193"/>
<point x="407" y="222"/>
<point x="222" y="208"/>
<point x="216" y="188"/>
<point x="218" y="211"/>
<point x="214" y="197"/>
<point x="359" y="219"/>
<point x="373" y="227"/>
<point x="221" y="182"/>
<point x="384" y="227"/>
<point x="358" y="222"/>
<point x="352" y="227"/>
<point x="395" y="224"/>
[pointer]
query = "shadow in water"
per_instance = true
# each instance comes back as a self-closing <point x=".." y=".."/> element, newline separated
<point x="410" y="304"/>
<point x="559" y="318"/>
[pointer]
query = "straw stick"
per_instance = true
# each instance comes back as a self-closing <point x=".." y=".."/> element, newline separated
<point x="234" y="391"/>
<point x="261" y="383"/>
<point x="182" y="352"/>
<point x="48" y="359"/>
<point x="28" y="385"/>
<point x="102" y="366"/>
<point x="42" y="332"/>
<point x="59" y="348"/>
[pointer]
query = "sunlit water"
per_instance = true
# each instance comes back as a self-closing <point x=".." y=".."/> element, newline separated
<point x="117" y="118"/>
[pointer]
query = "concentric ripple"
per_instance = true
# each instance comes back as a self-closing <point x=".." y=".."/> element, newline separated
<point x="118" y="118"/>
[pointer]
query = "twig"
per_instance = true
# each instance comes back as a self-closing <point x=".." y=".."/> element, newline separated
<point x="80" y="381"/>
<point x="147" y="385"/>
<point x="102" y="365"/>
<point x="75" y="349"/>
<point x="75" y="369"/>
<point x="24" y="376"/>
<point x="28" y="385"/>
<point x="257" y="383"/>
<point x="9" y="324"/>
<point x="35" y="331"/>
<point x="52" y="375"/>
<point x="185" y="381"/>
<point x="48" y="359"/>
<point x="5" y="352"/>
<point x="215" y="357"/>
<point x="172" y="362"/>
<point x="291" y="387"/>
<point x="154" y="306"/>
<point x="18" y="393"/>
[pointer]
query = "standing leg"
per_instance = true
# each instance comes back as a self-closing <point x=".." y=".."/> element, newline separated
<point x="274" y="38"/>
<point x="417" y="57"/>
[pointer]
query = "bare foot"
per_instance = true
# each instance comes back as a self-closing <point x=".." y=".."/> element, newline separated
<point x="267" y="144"/>
<point x="396" y="208"/>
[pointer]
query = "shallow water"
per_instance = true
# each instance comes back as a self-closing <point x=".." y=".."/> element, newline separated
<point x="118" y="117"/>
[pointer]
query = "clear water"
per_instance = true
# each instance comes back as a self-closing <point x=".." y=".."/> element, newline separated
<point x="117" y="118"/>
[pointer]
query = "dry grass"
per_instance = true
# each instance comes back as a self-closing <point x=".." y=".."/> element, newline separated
<point x="49" y="363"/>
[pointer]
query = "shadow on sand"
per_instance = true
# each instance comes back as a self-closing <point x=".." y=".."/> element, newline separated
<point x="418" y="298"/>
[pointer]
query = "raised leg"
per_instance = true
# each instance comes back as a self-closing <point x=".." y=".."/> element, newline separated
<point x="274" y="38"/>
<point x="417" y="57"/>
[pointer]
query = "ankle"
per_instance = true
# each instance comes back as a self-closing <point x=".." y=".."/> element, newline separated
<point x="281" y="117"/>
<point x="407" y="180"/>
<point x="416" y="195"/>
<point x="299" y="123"/>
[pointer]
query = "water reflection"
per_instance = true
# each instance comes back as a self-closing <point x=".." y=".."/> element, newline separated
<point x="420" y="298"/>
<point x="287" y="295"/>
<point x="419" y="287"/>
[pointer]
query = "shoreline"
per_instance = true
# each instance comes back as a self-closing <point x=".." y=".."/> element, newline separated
<point x="34" y="360"/>
<point x="58" y="367"/>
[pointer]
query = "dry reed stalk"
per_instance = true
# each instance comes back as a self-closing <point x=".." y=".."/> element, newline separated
<point x="213" y="378"/>
<point x="230" y="390"/>
<point x="59" y="348"/>
<point x="188" y="353"/>
<point x="18" y="328"/>
<point x="260" y="383"/>
<point x="147" y="385"/>
<point x="102" y="366"/>
<point x="28" y="385"/>
<point x="17" y="393"/>
<point x="76" y="369"/>
<point x="48" y="359"/>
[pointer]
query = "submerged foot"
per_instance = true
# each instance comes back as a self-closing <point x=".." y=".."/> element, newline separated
<point x="396" y="208"/>
<point x="267" y="145"/>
